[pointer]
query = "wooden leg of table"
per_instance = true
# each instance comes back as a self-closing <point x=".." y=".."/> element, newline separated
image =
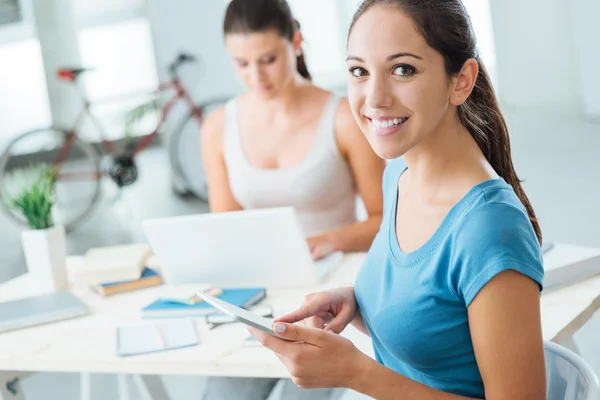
<point x="10" y="385"/>
<point x="85" y="386"/>
<point x="150" y="387"/>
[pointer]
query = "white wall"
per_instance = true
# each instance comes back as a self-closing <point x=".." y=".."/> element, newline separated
<point x="57" y="35"/>
<point x="23" y="88"/>
<point x="324" y="40"/>
<point x="547" y="55"/>
<point x="196" y="27"/>
<point x="586" y="36"/>
<point x="112" y="37"/>
<point x="534" y="54"/>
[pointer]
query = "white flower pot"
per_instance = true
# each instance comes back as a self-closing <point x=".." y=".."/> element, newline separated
<point x="46" y="256"/>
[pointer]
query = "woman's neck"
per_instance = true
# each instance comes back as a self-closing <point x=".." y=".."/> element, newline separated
<point x="287" y="99"/>
<point x="450" y="154"/>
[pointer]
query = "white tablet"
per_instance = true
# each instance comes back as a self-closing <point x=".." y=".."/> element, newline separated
<point x="239" y="314"/>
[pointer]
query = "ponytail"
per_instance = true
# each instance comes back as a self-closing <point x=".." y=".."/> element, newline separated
<point x="481" y="115"/>
<point x="302" y="68"/>
<point x="300" y="60"/>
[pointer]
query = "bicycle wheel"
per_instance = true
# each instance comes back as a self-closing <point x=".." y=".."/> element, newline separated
<point x="185" y="154"/>
<point x="77" y="187"/>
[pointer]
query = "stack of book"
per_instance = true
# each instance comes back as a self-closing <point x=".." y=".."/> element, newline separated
<point x="148" y="278"/>
<point x="117" y="269"/>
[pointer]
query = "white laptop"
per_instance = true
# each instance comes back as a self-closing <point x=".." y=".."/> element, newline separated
<point x="240" y="248"/>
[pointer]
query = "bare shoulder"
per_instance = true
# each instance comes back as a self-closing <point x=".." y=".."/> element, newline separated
<point x="315" y="91"/>
<point x="344" y="119"/>
<point x="347" y="131"/>
<point x="314" y="96"/>
<point x="213" y="126"/>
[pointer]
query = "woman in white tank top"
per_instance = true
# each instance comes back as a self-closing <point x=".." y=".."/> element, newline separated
<point x="287" y="142"/>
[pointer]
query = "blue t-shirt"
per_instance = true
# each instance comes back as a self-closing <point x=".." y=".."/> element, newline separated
<point x="415" y="304"/>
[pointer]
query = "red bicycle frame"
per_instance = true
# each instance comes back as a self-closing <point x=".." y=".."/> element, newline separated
<point x="180" y="92"/>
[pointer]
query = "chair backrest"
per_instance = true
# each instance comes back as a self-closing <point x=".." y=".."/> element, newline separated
<point x="568" y="376"/>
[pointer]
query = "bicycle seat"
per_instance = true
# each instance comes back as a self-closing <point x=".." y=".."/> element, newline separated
<point x="70" y="74"/>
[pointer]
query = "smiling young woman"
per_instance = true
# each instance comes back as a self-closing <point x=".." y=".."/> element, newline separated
<point x="449" y="292"/>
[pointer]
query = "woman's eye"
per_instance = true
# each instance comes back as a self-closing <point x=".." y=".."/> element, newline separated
<point x="358" y="71"/>
<point x="404" y="70"/>
<point x="268" y="60"/>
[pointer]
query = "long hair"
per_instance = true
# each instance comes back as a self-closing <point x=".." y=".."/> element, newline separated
<point x="447" y="28"/>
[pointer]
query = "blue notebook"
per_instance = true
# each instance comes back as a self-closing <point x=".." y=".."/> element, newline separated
<point x="163" y="308"/>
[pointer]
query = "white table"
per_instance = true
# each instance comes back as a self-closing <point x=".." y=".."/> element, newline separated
<point x="87" y="344"/>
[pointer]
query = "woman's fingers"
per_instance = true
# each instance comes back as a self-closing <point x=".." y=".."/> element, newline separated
<point x="313" y="305"/>
<point x="298" y="315"/>
<point x="340" y="321"/>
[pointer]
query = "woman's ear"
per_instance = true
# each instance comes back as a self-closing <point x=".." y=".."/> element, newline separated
<point x="464" y="82"/>
<point x="297" y="40"/>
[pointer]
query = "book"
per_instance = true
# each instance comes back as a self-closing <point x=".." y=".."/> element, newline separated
<point x="149" y="278"/>
<point x="165" y="308"/>
<point x="143" y="337"/>
<point x="113" y="263"/>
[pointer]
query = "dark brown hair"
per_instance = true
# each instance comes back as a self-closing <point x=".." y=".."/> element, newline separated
<point x="249" y="16"/>
<point x="447" y="28"/>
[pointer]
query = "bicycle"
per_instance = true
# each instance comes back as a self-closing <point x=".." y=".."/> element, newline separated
<point x="80" y="164"/>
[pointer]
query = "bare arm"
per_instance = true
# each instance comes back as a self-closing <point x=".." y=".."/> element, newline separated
<point x="509" y="347"/>
<point x="367" y="170"/>
<point x="220" y="197"/>
<point x="505" y="326"/>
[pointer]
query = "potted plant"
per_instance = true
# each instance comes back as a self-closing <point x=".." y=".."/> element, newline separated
<point x="44" y="243"/>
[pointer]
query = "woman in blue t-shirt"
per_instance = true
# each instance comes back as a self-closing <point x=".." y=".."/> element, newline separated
<point x="449" y="291"/>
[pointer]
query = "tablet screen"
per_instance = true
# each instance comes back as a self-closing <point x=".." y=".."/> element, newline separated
<point x="239" y="314"/>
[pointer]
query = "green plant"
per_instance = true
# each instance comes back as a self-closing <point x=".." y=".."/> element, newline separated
<point x="135" y="116"/>
<point x="34" y="201"/>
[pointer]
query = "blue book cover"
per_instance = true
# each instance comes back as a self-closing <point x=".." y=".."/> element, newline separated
<point x="148" y="278"/>
<point x="146" y="273"/>
<point x="164" y="308"/>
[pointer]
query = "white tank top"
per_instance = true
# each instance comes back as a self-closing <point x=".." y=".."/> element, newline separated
<point x="321" y="187"/>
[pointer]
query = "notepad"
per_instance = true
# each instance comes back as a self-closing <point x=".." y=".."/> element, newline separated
<point x="145" y="337"/>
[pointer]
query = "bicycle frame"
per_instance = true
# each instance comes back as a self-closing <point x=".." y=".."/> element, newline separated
<point x="181" y="93"/>
<point x="88" y="155"/>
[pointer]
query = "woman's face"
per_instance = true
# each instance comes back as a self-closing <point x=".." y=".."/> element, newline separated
<point x="264" y="61"/>
<point x="398" y="88"/>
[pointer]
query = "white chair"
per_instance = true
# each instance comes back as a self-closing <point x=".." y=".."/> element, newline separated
<point x="568" y="376"/>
